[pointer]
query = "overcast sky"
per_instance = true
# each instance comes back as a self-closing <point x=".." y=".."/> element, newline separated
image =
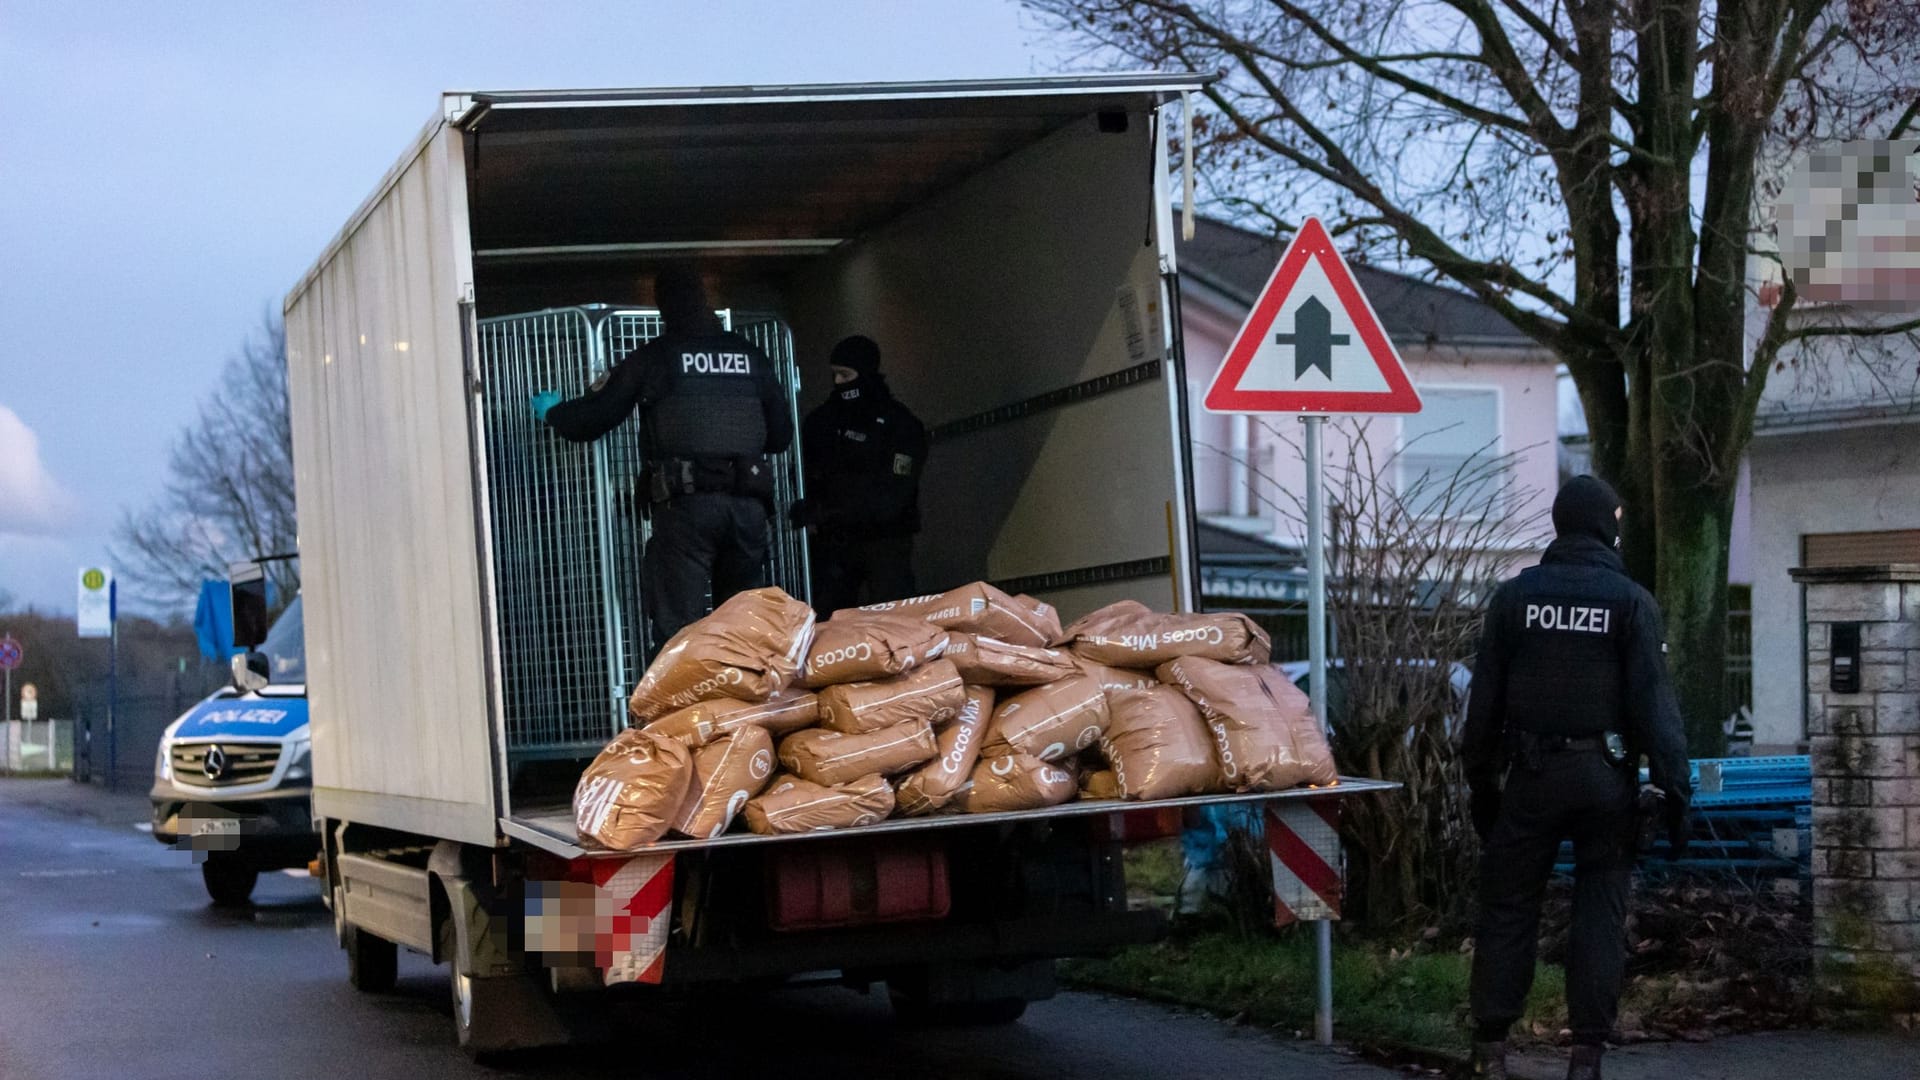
<point x="168" y="170"/>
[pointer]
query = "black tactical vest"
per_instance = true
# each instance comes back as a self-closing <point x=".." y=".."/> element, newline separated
<point x="703" y="396"/>
<point x="1566" y="623"/>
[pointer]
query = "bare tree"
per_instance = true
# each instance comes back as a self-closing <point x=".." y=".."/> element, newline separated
<point x="229" y="490"/>
<point x="1421" y="548"/>
<point x="1594" y="170"/>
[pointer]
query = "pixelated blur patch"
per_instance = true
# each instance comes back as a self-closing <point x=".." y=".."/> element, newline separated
<point x="1849" y="225"/>
<point x="565" y="916"/>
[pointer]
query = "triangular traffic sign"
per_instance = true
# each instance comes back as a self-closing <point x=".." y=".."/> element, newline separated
<point x="1312" y="343"/>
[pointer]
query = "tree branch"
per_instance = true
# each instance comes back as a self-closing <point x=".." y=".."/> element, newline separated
<point x="1506" y="66"/>
<point x="1374" y="66"/>
<point x="1905" y="121"/>
<point x="1853" y="330"/>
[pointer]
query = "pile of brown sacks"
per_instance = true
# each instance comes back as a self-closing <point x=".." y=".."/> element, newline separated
<point x="969" y="701"/>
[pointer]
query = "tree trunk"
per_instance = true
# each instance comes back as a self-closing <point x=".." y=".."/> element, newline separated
<point x="1695" y="522"/>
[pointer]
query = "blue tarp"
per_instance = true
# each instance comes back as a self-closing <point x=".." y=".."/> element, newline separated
<point x="1205" y="842"/>
<point x="213" y="621"/>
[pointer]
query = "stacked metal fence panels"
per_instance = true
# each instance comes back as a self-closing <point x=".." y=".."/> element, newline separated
<point x="568" y="522"/>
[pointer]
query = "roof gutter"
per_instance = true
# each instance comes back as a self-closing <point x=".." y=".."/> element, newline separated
<point x="1167" y="83"/>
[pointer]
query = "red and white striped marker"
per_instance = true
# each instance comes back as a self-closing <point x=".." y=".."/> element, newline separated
<point x="1303" y="844"/>
<point x="639" y="894"/>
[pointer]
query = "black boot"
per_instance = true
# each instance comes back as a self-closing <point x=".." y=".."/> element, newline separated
<point x="1490" y="1060"/>
<point x="1585" y="1064"/>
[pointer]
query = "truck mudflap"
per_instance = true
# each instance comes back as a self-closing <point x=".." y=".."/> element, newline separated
<point x="616" y="911"/>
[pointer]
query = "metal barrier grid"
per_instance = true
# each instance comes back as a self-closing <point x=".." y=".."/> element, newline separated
<point x="788" y="565"/>
<point x="569" y="523"/>
<point x="550" y="556"/>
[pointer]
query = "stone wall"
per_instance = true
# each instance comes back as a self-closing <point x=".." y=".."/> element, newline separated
<point x="1866" y="787"/>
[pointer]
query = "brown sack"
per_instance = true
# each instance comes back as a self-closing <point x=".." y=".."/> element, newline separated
<point x="628" y="796"/>
<point x="697" y="725"/>
<point x="1246" y="709"/>
<point x="829" y="757"/>
<point x="1129" y="634"/>
<point x="978" y="608"/>
<point x="1159" y="746"/>
<point x="1048" y="722"/>
<point x="856" y="649"/>
<point x="1046" y="615"/>
<point x="1100" y="784"/>
<point x="1013" y="782"/>
<point x="1113" y="679"/>
<point x="1309" y="739"/>
<point x="748" y="650"/>
<point x="985" y="661"/>
<point x="933" y="784"/>
<point x="932" y="693"/>
<point x="725" y="775"/>
<point x="793" y="805"/>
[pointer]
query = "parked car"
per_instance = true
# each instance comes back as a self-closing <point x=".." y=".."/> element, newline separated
<point x="1297" y="672"/>
<point x="233" y="778"/>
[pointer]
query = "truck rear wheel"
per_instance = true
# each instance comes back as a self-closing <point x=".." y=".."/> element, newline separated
<point x="373" y="962"/>
<point x="499" y="1013"/>
<point x="918" y="1012"/>
<point x="968" y="994"/>
<point x="229" y="881"/>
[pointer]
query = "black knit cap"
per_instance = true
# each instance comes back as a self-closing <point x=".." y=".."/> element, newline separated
<point x="1586" y="507"/>
<point x="858" y="353"/>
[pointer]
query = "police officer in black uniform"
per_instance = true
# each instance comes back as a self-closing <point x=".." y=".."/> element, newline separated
<point x="1570" y="687"/>
<point x="864" y="454"/>
<point x="712" y="410"/>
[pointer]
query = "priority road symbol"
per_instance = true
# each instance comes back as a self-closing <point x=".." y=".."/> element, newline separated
<point x="1312" y="339"/>
<point x="1311" y="343"/>
<point x="10" y="653"/>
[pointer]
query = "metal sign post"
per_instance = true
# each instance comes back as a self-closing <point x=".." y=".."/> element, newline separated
<point x="1312" y="346"/>
<point x="113" y="676"/>
<point x="1317" y="678"/>
<point x="10" y="656"/>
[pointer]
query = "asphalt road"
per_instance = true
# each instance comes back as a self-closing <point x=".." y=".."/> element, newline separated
<point x="114" y="966"/>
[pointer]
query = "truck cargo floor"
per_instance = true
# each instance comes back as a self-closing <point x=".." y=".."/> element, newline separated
<point x="550" y="827"/>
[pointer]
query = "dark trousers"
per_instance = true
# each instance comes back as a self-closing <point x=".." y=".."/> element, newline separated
<point x="1569" y="794"/>
<point x="702" y="545"/>
<point x="853" y="570"/>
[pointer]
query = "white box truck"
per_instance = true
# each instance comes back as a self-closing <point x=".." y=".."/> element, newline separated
<point x="471" y="613"/>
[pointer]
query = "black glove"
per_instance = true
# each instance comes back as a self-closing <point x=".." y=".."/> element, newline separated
<point x="1484" y="802"/>
<point x="801" y="514"/>
<point x="1679" y="826"/>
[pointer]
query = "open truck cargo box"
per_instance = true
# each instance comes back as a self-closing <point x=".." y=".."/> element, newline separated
<point x="1009" y="244"/>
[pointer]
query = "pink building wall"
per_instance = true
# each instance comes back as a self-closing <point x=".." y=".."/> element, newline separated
<point x="1524" y="379"/>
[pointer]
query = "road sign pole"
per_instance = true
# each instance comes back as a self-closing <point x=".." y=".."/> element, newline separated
<point x="1317" y="678"/>
<point x="113" y="674"/>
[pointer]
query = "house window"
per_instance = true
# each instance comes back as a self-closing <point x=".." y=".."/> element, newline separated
<point x="1454" y="428"/>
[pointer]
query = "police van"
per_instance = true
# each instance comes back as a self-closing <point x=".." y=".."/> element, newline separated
<point x="233" y="778"/>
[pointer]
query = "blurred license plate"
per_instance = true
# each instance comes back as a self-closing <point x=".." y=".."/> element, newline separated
<point x="216" y="827"/>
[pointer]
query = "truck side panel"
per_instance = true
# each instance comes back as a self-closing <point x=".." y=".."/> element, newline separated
<point x="1038" y="274"/>
<point x="395" y="628"/>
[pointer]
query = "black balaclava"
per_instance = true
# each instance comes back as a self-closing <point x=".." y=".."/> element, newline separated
<point x="1585" y="507"/>
<point x="860" y="355"/>
<point x="682" y="299"/>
